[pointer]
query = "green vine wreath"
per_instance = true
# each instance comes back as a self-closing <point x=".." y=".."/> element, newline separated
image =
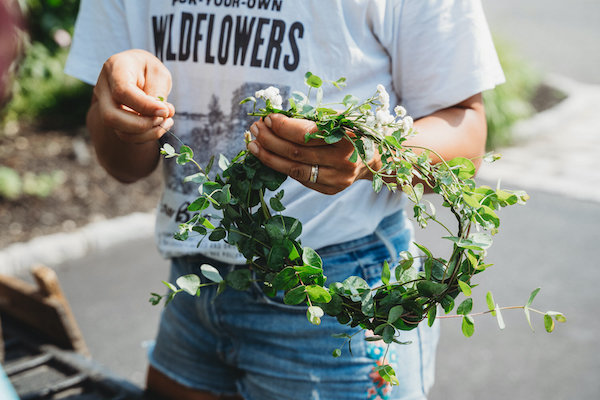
<point x="268" y="240"/>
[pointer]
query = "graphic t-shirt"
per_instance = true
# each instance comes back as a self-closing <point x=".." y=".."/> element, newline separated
<point x="429" y="54"/>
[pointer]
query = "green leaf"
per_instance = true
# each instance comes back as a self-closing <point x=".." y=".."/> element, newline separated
<point x="350" y="100"/>
<point x="313" y="80"/>
<point x="185" y="155"/>
<point x="462" y="167"/>
<point x="499" y="318"/>
<point x="388" y="334"/>
<point x="198" y="178"/>
<point x="465" y="288"/>
<point x="217" y="234"/>
<point x="247" y="99"/>
<point x="528" y="317"/>
<point x="353" y="157"/>
<point x="155" y="298"/>
<point x="489" y="299"/>
<point x="295" y="296"/>
<point x="465" y="307"/>
<point x="310" y="257"/>
<point x="167" y="150"/>
<point x="170" y="286"/>
<point x="276" y="204"/>
<point x="430" y="289"/>
<point x="377" y="183"/>
<point x="431" y="314"/>
<point x="395" y="314"/>
<point x="557" y="315"/>
<point x="532" y="296"/>
<point x="387" y="373"/>
<point x="285" y="279"/>
<point x="468" y="326"/>
<point x="239" y="279"/>
<point x="548" y="323"/>
<point x="189" y="283"/>
<point x="201" y="203"/>
<point x="223" y="162"/>
<point x="211" y="273"/>
<point x="318" y="294"/>
<point x="385" y="273"/>
<point x="314" y="314"/>
<point x="367" y="305"/>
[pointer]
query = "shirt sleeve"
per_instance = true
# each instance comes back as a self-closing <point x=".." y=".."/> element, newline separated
<point x="100" y="31"/>
<point x="442" y="53"/>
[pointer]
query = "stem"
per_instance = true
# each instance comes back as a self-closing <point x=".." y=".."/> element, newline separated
<point x="490" y="311"/>
<point x="263" y="205"/>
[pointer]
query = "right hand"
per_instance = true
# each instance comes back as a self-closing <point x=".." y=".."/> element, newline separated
<point x="127" y="93"/>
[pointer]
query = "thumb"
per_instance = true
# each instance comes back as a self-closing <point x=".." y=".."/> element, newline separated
<point x="157" y="85"/>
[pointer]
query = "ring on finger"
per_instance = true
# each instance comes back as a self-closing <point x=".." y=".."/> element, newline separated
<point x="314" y="173"/>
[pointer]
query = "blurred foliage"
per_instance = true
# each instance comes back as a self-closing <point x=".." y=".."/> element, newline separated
<point x="511" y="101"/>
<point x="13" y="186"/>
<point x="41" y="92"/>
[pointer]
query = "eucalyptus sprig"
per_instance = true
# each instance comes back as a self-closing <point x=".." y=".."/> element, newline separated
<point x="410" y="291"/>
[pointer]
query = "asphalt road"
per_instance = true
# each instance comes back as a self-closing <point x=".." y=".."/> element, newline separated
<point x="549" y="243"/>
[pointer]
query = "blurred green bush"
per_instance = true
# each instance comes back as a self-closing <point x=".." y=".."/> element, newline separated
<point x="41" y="92"/>
<point x="511" y="101"/>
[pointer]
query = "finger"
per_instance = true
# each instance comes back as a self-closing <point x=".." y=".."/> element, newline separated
<point x="157" y="80"/>
<point x="329" y="155"/>
<point x="293" y="129"/>
<point x="152" y="134"/>
<point x="283" y="147"/>
<point x="124" y="89"/>
<point x="329" y="180"/>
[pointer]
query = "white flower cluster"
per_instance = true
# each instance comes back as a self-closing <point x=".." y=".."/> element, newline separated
<point x="382" y="116"/>
<point x="272" y="94"/>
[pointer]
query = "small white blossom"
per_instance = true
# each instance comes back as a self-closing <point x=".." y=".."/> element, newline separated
<point x="407" y="123"/>
<point x="400" y="111"/>
<point x="383" y="117"/>
<point x="370" y="121"/>
<point x="272" y="94"/>
<point x="383" y="97"/>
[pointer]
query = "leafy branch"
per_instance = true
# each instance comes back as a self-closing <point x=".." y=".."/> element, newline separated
<point x="268" y="240"/>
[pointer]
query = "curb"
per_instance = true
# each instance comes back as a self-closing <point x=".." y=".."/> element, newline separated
<point x="578" y="95"/>
<point x="61" y="247"/>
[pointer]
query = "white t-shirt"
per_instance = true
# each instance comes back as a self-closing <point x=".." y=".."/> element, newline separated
<point x="429" y="54"/>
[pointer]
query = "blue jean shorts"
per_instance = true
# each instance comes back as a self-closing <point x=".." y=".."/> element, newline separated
<point x="262" y="349"/>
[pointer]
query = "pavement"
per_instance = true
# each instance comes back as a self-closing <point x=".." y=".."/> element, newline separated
<point x="548" y="243"/>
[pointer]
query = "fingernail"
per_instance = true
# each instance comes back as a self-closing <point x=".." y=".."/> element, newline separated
<point x="253" y="148"/>
<point x="168" y="124"/>
<point x="161" y="113"/>
<point x="157" y="121"/>
<point x="268" y="121"/>
<point x="254" y="130"/>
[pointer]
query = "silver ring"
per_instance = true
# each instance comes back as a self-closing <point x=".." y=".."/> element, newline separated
<point x="314" y="173"/>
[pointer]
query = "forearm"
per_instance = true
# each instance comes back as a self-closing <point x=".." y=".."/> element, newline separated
<point x="126" y="162"/>
<point x="458" y="131"/>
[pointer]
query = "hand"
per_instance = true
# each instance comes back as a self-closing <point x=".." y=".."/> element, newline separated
<point x="127" y="93"/>
<point x="279" y="143"/>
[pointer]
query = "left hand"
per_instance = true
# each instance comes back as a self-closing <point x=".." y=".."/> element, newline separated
<point x="279" y="144"/>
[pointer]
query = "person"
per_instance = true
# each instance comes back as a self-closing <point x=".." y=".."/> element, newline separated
<point x="434" y="57"/>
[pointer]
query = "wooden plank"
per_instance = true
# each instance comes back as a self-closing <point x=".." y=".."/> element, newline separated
<point x="44" y="308"/>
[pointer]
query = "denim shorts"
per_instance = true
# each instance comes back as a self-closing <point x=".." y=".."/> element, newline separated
<point x="247" y="343"/>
